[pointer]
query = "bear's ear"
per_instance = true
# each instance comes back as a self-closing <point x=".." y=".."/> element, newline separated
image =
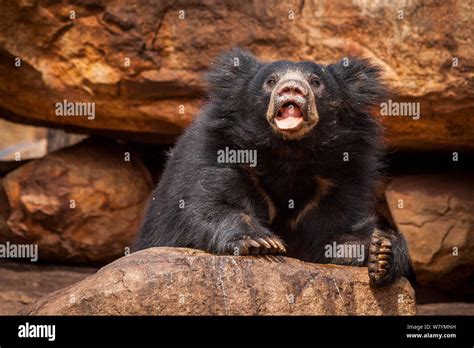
<point x="230" y="73"/>
<point x="360" y="81"/>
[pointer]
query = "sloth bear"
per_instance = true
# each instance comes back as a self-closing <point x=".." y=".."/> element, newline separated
<point x="282" y="159"/>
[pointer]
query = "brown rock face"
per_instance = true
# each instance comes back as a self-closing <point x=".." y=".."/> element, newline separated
<point x="23" y="284"/>
<point x="4" y="212"/>
<point x="80" y="204"/>
<point x="449" y="308"/>
<point x="142" y="62"/>
<point x="434" y="213"/>
<point x="175" y="281"/>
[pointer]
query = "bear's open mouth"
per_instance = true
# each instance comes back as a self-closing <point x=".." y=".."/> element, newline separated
<point x="289" y="117"/>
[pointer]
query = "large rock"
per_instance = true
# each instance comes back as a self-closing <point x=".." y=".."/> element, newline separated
<point x="23" y="284"/>
<point x="175" y="281"/>
<point x="140" y="62"/>
<point x="434" y="213"/>
<point x="80" y="204"/>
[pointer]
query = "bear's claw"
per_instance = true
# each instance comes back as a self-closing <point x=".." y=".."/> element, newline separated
<point x="259" y="246"/>
<point x="380" y="255"/>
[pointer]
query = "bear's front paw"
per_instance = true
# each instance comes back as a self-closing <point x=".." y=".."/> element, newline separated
<point x="380" y="259"/>
<point x="247" y="245"/>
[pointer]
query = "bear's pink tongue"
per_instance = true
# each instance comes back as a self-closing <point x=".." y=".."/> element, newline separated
<point x="289" y="117"/>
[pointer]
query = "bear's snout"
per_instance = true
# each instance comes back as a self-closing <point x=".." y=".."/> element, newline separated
<point x="292" y="87"/>
<point x="292" y="110"/>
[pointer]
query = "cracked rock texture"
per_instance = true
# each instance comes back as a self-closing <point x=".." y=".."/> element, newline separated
<point x="142" y="65"/>
<point x="178" y="281"/>
<point x="81" y="204"/>
<point x="434" y="213"/>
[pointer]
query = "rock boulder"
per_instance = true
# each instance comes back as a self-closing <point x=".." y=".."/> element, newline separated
<point x="434" y="213"/>
<point x="81" y="204"/>
<point x="175" y="281"/>
<point x="141" y="63"/>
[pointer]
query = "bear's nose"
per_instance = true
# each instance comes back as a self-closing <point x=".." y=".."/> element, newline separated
<point x="293" y="87"/>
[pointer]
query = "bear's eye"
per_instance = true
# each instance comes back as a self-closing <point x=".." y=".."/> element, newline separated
<point x="315" y="81"/>
<point x="271" y="81"/>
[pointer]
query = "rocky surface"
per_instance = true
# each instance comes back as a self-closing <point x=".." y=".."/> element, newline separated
<point x="434" y="213"/>
<point x="23" y="283"/>
<point x="81" y="204"/>
<point x="142" y="62"/>
<point x="449" y="308"/>
<point x="4" y="212"/>
<point x="176" y="281"/>
<point x="20" y="142"/>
